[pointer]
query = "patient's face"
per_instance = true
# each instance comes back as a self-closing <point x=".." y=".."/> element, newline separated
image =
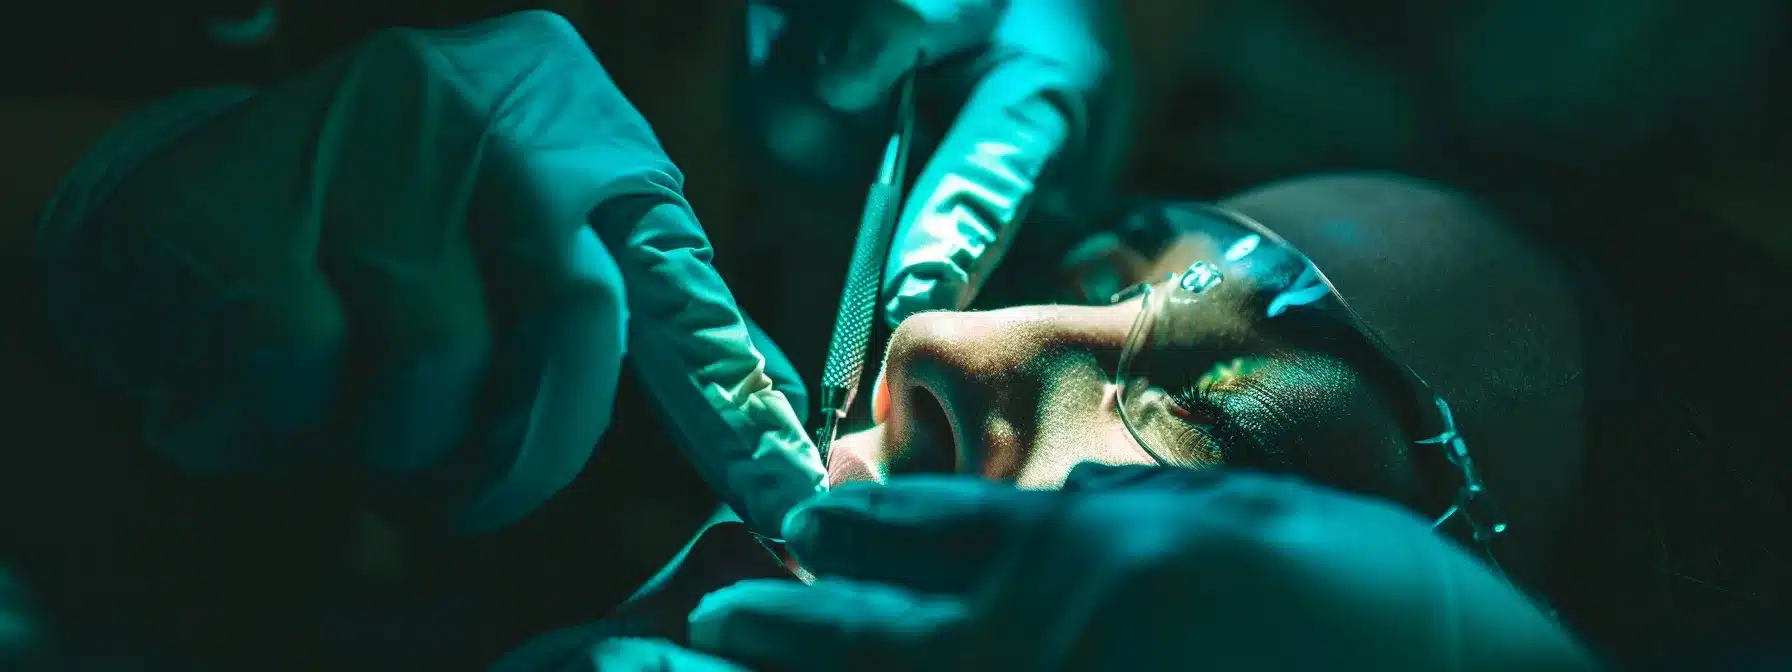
<point x="1025" y="393"/>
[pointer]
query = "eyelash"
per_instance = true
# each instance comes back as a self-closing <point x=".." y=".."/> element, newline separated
<point x="1211" y="430"/>
<point x="1220" y="430"/>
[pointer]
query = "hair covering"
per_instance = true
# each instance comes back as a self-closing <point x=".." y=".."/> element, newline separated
<point x="1482" y="313"/>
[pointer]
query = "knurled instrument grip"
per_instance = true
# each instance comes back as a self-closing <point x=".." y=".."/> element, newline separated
<point x="858" y="303"/>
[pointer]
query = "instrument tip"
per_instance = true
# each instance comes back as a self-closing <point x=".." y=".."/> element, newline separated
<point x="824" y="436"/>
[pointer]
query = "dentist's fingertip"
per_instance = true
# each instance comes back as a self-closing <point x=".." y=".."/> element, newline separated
<point x="735" y="617"/>
<point x="797" y="522"/>
<point x="704" y="625"/>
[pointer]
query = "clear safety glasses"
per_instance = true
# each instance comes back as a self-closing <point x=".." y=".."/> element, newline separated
<point x="1246" y="282"/>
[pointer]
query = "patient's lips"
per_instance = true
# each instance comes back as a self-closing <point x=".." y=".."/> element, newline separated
<point x="858" y="456"/>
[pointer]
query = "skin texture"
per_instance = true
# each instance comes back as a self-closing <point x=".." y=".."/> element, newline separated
<point x="970" y="392"/>
<point x="1024" y="394"/>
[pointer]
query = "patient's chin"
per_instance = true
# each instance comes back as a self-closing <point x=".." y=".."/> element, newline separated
<point x="857" y="457"/>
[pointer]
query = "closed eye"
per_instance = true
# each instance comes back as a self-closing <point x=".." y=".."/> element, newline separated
<point x="1203" y="406"/>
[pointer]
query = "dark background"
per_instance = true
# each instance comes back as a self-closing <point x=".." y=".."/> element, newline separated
<point x="1647" y="138"/>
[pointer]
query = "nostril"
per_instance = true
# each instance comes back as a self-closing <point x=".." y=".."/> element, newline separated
<point x="931" y="446"/>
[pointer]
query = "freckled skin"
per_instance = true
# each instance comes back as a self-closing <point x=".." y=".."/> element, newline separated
<point x="995" y="375"/>
<point x="1024" y="394"/>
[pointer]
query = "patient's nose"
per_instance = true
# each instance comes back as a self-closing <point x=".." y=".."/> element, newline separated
<point x="965" y="388"/>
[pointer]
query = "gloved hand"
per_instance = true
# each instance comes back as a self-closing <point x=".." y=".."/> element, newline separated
<point x="1024" y="77"/>
<point x="644" y="655"/>
<point x="1155" y="569"/>
<point x="427" y="278"/>
<point x="1043" y="62"/>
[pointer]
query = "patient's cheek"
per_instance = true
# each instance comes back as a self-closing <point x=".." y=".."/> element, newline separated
<point x="1049" y="463"/>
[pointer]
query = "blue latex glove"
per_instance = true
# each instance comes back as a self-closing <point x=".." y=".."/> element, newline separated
<point x="1024" y="79"/>
<point x="644" y="655"/>
<point x="465" y="230"/>
<point x="1153" y="569"/>
<point x="1043" y="64"/>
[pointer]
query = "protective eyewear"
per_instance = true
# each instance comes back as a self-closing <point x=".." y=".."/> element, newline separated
<point x="1196" y="314"/>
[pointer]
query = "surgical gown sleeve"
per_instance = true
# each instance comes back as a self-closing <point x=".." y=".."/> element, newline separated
<point x="689" y="344"/>
<point x="691" y="349"/>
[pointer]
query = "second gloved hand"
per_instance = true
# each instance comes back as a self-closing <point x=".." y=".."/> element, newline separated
<point x="969" y="200"/>
<point x="1181" y="569"/>
<point x="1038" y="83"/>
